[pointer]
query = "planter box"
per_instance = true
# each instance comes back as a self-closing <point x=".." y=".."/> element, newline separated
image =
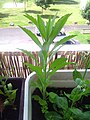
<point x="8" y="113"/>
<point x="62" y="79"/>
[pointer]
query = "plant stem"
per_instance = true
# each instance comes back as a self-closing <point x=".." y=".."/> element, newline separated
<point x="85" y="73"/>
<point x="86" y="66"/>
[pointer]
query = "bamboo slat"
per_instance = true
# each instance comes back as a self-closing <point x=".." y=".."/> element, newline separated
<point x="12" y="63"/>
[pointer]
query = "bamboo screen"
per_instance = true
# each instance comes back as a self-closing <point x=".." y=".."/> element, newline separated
<point x="12" y="63"/>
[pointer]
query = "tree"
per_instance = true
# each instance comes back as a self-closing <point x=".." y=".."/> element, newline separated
<point x="44" y="4"/>
<point x="86" y="11"/>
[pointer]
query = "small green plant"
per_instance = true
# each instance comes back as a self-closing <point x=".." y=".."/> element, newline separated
<point x="7" y="92"/>
<point x="69" y="106"/>
<point x="45" y="69"/>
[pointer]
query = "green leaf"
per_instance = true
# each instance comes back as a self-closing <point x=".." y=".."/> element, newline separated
<point x="49" y="26"/>
<point x="6" y="102"/>
<point x="86" y="91"/>
<point x="87" y="115"/>
<point x="48" y="29"/>
<point x="62" y="41"/>
<point x="87" y="82"/>
<point x="37" y="69"/>
<point x="41" y="27"/>
<point x="67" y="95"/>
<point x="79" y="81"/>
<point x="53" y="19"/>
<point x="9" y="86"/>
<point x="76" y="111"/>
<point x="5" y="88"/>
<point x="32" y="35"/>
<point x="52" y="53"/>
<point x="77" y="74"/>
<point x="13" y="95"/>
<point x="58" y="26"/>
<point x="36" y="84"/>
<point x="76" y="94"/>
<point x="42" y="102"/>
<point x="1" y="77"/>
<point x="77" y="114"/>
<point x="30" y="54"/>
<point x="31" y="18"/>
<point x="52" y="97"/>
<point x="62" y="102"/>
<point x="1" y="93"/>
<point x="56" y="65"/>
<point x="52" y="115"/>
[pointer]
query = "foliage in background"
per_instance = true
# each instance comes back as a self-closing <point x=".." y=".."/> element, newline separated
<point x="86" y="11"/>
<point x="15" y="15"/>
<point x="82" y="38"/>
<point x="44" y="4"/>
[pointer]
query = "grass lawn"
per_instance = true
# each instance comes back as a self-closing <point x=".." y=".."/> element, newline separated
<point x="83" y="38"/>
<point x="15" y="15"/>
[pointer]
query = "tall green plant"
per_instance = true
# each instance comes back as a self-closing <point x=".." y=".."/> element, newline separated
<point x="48" y="33"/>
<point x="44" y="70"/>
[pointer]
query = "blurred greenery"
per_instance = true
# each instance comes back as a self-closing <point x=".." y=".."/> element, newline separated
<point x="83" y="38"/>
<point x="15" y="15"/>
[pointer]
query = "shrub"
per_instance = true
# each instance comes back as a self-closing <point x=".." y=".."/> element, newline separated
<point x="86" y="12"/>
<point x="44" y="3"/>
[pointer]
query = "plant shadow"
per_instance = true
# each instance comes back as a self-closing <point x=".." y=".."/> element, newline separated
<point x="47" y="16"/>
<point x="33" y="11"/>
<point x="4" y="15"/>
<point x="65" y="2"/>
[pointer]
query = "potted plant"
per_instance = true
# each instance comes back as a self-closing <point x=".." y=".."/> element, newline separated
<point x="45" y="83"/>
<point x="11" y="98"/>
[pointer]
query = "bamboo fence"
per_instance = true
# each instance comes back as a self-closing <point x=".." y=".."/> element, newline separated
<point x="12" y="63"/>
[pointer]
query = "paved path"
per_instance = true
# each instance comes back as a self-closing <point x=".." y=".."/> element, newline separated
<point x="76" y="27"/>
<point x="12" y="38"/>
<point x="13" y="5"/>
